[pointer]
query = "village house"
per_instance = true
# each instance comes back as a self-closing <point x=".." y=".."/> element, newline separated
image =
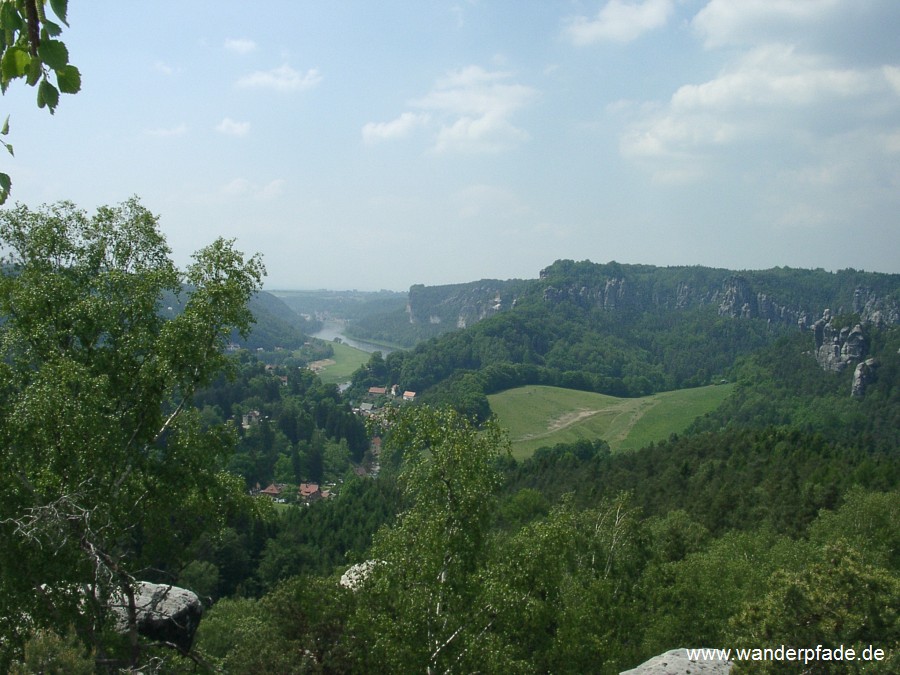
<point x="273" y="492"/>
<point x="250" y="418"/>
<point x="309" y="492"/>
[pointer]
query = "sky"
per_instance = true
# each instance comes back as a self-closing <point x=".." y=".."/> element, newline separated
<point x="374" y="145"/>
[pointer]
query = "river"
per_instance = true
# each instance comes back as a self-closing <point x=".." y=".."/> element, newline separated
<point x="333" y="328"/>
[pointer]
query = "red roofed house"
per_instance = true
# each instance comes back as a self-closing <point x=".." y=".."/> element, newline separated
<point x="272" y="492"/>
<point x="309" y="492"/>
<point x="378" y="391"/>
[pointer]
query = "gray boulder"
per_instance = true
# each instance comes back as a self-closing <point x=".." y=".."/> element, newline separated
<point x="676" y="662"/>
<point x="164" y="613"/>
<point x="862" y="378"/>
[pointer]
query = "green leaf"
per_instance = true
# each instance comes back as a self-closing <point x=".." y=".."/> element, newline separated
<point x="9" y="148"/>
<point x="48" y="95"/>
<point x="54" y="54"/>
<point x="5" y="187"/>
<point x="34" y="72"/>
<point x="69" y="80"/>
<point x="5" y="129"/>
<point x="14" y="63"/>
<point x="10" y="18"/>
<point x="51" y="29"/>
<point x="59" y="8"/>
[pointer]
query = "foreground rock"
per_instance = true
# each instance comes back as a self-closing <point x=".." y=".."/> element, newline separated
<point x="164" y="613"/>
<point x="676" y="662"/>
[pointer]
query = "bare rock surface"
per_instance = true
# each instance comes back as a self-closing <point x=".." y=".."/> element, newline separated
<point x="676" y="662"/>
<point x="164" y="613"/>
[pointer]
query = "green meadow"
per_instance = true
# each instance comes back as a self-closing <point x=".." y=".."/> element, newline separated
<point x="346" y="360"/>
<point x="538" y="416"/>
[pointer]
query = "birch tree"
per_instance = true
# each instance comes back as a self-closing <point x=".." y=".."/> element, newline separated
<point x="420" y="608"/>
<point x="105" y="474"/>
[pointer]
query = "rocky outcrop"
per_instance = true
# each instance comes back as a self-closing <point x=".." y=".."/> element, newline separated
<point x="737" y="299"/>
<point x="677" y="662"/>
<point x="461" y="305"/>
<point x="357" y="574"/>
<point x="613" y="293"/>
<point x="863" y="376"/>
<point x="164" y="613"/>
<point x="879" y="311"/>
<point x="837" y="348"/>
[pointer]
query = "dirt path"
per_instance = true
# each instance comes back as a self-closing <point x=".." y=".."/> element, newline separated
<point x="619" y="428"/>
<point x="643" y="406"/>
<point x="561" y="422"/>
<point x="317" y="366"/>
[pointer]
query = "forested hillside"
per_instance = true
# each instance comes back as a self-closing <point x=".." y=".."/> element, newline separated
<point x="582" y="560"/>
<point x="190" y="485"/>
<point x="630" y="330"/>
<point x="401" y="537"/>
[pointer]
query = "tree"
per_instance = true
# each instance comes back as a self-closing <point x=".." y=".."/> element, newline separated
<point x="29" y="51"/>
<point x="418" y="610"/>
<point x="838" y="600"/>
<point x="106" y="471"/>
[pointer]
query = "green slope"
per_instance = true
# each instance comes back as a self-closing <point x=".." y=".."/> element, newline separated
<point x="538" y="416"/>
<point x="346" y="360"/>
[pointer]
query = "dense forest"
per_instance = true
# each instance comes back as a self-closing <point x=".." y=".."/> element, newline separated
<point x="181" y="493"/>
<point x="324" y="535"/>
<point x="589" y="561"/>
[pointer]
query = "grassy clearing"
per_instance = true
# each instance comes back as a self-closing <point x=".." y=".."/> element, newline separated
<point x="538" y="416"/>
<point x="346" y="360"/>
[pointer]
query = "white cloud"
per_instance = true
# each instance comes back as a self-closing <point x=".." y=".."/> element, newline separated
<point x="165" y="68"/>
<point x="723" y="22"/>
<point x="168" y="132"/>
<point x="236" y="188"/>
<point x="891" y="142"/>
<point x="272" y="189"/>
<point x="770" y="95"/>
<point x="400" y="127"/>
<point x="240" y="45"/>
<point x="283" y="78"/>
<point x="620" y="21"/>
<point x="467" y="110"/>
<point x="488" y="133"/>
<point x="892" y="75"/>
<point x="231" y="128"/>
<point x="773" y="75"/>
<point x="241" y="188"/>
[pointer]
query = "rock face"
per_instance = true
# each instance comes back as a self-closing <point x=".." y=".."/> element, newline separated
<point x="461" y="305"/>
<point x="164" y="613"/>
<point x="837" y="348"/>
<point x="356" y="574"/>
<point x="880" y="311"/>
<point x="676" y="662"/>
<point x="738" y="300"/>
<point x="863" y="377"/>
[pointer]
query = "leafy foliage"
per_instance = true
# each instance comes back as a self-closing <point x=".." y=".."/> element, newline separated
<point x="107" y="472"/>
<point x="29" y="51"/>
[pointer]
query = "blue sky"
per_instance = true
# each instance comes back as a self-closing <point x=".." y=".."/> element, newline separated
<point x="369" y="145"/>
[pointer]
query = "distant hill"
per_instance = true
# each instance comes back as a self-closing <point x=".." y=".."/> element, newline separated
<point x="433" y="310"/>
<point x="624" y="330"/>
<point x="346" y="305"/>
<point x="277" y="325"/>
